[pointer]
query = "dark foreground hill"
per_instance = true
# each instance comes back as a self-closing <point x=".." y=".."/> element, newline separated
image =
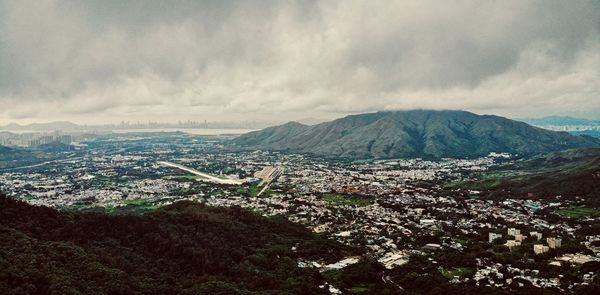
<point x="189" y="248"/>
<point x="570" y="173"/>
<point x="417" y="133"/>
<point x="185" y="248"/>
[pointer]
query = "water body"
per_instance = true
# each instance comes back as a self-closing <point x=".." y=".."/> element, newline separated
<point x="195" y="131"/>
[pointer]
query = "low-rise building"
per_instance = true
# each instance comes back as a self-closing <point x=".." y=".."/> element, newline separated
<point x="554" y="242"/>
<point x="540" y="249"/>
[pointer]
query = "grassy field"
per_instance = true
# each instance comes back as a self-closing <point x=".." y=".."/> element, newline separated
<point x="346" y="200"/>
<point x="579" y="212"/>
<point x="132" y="206"/>
<point x="457" y="272"/>
<point x="358" y="290"/>
<point x="253" y="190"/>
<point x="189" y="177"/>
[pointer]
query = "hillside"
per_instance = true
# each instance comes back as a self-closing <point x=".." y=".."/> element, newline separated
<point x="58" y="125"/>
<point x="12" y="157"/>
<point x="185" y="248"/>
<point x="570" y="173"/>
<point x="417" y="133"/>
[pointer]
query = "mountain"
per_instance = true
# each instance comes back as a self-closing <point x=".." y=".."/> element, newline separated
<point x="415" y="133"/>
<point x="58" y="125"/>
<point x="560" y="121"/>
<point x="570" y="173"/>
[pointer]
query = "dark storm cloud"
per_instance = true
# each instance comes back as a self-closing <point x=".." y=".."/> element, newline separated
<point x="276" y="59"/>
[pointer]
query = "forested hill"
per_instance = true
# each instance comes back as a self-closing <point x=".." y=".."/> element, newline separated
<point x="190" y="248"/>
<point x="185" y="248"/>
<point x="417" y="133"/>
<point x="11" y="157"/>
<point x="571" y="173"/>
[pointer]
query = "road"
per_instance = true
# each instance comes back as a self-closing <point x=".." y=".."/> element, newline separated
<point x="263" y="189"/>
<point x="207" y="177"/>
<point x="41" y="164"/>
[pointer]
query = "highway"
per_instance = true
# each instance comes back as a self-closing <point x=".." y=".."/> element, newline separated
<point x="206" y="177"/>
<point x="41" y="164"/>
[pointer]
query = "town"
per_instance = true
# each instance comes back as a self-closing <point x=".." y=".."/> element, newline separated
<point x="397" y="210"/>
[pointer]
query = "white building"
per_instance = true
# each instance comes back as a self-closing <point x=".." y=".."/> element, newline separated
<point x="539" y="249"/>
<point x="554" y="242"/>
<point x="512" y="243"/>
<point x="513" y="231"/>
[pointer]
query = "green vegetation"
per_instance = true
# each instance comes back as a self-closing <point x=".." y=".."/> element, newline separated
<point x="579" y="212"/>
<point x="17" y="157"/>
<point x="253" y="190"/>
<point x="105" y="181"/>
<point x="133" y="206"/>
<point x="188" y="177"/>
<point x="135" y="202"/>
<point x="360" y="278"/>
<point x="342" y="200"/>
<point x="184" y="248"/>
<point x="569" y="173"/>
<point x="457" y="272"/>
<point x="411" y="134"/>
<point x="358" y="290"/>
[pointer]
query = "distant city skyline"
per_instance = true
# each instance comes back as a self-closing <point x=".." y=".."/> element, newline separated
<point x="103" y="62"/>
<point x="253" y="123"/>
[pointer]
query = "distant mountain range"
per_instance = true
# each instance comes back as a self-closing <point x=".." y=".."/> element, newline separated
<point x="409" y="134"/>
<point x="58" y="125"/>
<point x="559" y="121"/>
<point x="70" y="126"/>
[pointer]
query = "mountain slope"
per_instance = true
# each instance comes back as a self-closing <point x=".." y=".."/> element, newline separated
<point x="417" y="133"/>
<point x="570" y="173"/>
<point x="184" y="248"/>
<point x="58" y="125"/>
<point x="13" y="156"/>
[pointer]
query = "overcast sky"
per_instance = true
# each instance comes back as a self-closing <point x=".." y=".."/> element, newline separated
<point x="107" y="61"/>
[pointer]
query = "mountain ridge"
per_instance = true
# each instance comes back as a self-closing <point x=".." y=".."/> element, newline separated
<point x="559" y="121"/>
<point x="411" y="134"/>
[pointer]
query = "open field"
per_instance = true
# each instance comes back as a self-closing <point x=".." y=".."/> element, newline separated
<point x="457" y="272"/>
<point x="579" y="212"/>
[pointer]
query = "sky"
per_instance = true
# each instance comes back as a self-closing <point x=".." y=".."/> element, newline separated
<point x="110" y="61"/>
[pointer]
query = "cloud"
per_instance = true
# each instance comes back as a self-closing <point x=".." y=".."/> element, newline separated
<point x="278" y="60"/>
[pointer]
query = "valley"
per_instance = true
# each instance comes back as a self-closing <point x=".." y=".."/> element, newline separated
<point x="394" y="212"/>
